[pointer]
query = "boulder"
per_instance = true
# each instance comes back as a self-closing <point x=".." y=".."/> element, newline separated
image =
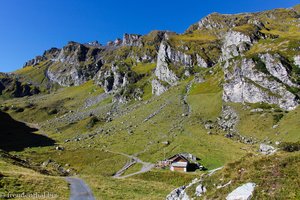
<point x="297" y="60"/>
<point x="158" y="88"/>
<point x="266" y="149"/>
<point x="243" y="192"/>
<point x="200" y="189"/>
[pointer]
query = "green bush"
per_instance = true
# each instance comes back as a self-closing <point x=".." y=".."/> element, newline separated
<point x="19" y="110"/>
<point x="277" y="118"/>
<point x="4" y="108"/>
<point x="260" y="65"/>
<point x="52" y="111"/>
<point x="93" y="120"/>
<point x="290" y="146"/>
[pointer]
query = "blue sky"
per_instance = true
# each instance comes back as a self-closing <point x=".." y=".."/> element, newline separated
<point x="28" y="27"/>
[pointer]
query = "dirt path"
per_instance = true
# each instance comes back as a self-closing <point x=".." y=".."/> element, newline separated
<point x="79" y="190"/>
<point x="133" y="160"/>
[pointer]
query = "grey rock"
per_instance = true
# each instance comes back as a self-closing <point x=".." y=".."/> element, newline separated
<point x="132" y="40"/>
<point x="244" y="83"/>
<point x="117" y="42"/>
<point x="228" y="119"/>
<point x="297" y="60"/>
<point x="200" y="190"/>
<point x="162" y="71"/>
<point x="93" y="44"/>
<point x="257" y="110"/>
<point x="74" y="65"/>
<point x="180" y="193"/>
<point x="266" y="149"/>
<point x="201" y="62"/>
<point x="112" y="79"/>
<point x="158" y="88"/>
<point x="235" y="43"/>
<point x="276" y="68"/>
<point x="244" y="192"/>
<point x="59" y="148"/>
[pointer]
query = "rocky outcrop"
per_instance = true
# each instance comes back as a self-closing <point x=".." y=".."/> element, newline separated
<point x="200" y="190"/>
<point x="201" y="62"/>
<point x="297" y="60"/>
<point x="158" y="88"/>
<point x="245" y="83"/>
<point x="213" y="21"/>
<point x="93" y="44"/>
<point x="35" y="61"/>
<point x="48" y="55"/>
<point x="266" y="149"/>
<point x="74" y="65"/>
<point x="235" y="43"/>
<point x="228" y="119"/>
<point x="132" y="40"/>
<point x="162" y="71"/>
<point x="116" y="43"/>
<point x="277" y="69"/>
<point x="244" y="192"/>
<point x="11" y="86"/>
<point x="180" y="193"/>
<point x="222" y="22"/>
<point x="115" y="78"/>
<point x="169" y="60"/>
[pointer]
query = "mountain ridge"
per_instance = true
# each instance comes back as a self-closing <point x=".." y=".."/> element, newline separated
<point x="227" y="86"/>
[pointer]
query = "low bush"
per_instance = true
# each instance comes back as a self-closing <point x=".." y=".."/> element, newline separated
<point x="53" y="111"/>
<point x="290" y="146"/>
<point x="93" y="120"/>
<point x="19" y="110"/>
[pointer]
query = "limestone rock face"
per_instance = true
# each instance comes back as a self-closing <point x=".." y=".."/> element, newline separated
<point x="115" y="78"/>
<point x="132" y="40"/>
<point x="12" y="87"/>
<point x="158" y="88"/>
<point x="162" y="71"/>
<point x="235" y="43"/>
<point x="48" y="55"/>
<point x="276" y="68"/>
<point x="210" y="22"/>
<point x="297" y="60"/>
<point x="243" y="192"/>
<point x="93" y="44"/>
<point x="200" y="190"/>
<point x="74" y="65"/>
<point x="170" y="59"/>
<point x="180" y="193"/>
<point x="201" y="62"/>
<point x="244" y="83"/>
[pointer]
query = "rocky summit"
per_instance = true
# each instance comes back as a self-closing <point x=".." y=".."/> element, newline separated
<point x="221" y="100"/>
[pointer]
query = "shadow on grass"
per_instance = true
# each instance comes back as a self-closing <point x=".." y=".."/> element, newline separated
<point x="15" y="135"/>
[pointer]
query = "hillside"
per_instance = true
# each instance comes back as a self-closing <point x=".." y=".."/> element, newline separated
<point x="218" y="91"/>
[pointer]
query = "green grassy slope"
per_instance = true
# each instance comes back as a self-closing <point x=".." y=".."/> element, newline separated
<point x="93" y="129"/>
<point x="16" y="180"/>
<point x="276" y="177"/>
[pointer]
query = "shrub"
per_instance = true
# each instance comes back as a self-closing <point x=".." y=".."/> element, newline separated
<point x="290" y="146"/>
<point x="52" y="111"/>
<point x="93" y="120"/>
<point x="260" y="65"/>
<point x="4" y="108"/>
<point x="277" y="118"/>
<point x="29" y="105"/>
<point x="19" y="110"/>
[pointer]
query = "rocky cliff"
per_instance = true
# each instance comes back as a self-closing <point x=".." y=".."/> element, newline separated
<point x="258" y="52"/>
<point x="11" y="87"/>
